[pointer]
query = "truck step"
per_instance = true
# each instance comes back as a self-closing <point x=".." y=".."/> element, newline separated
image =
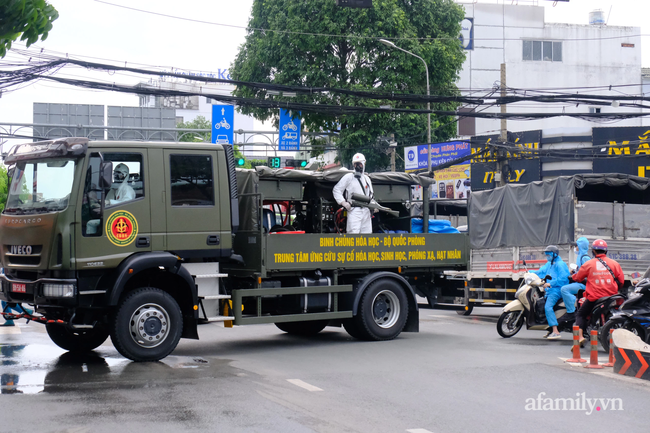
<point x="217" y="319"/>
<point x="211" y="276"/>
<point x="209" y="297"/>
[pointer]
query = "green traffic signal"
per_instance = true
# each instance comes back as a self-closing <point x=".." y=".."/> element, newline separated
<point x="303" y="163"/>
<point x="241" y="162"/>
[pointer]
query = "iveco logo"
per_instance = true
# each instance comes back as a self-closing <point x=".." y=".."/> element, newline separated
<point x="20" y="249"/>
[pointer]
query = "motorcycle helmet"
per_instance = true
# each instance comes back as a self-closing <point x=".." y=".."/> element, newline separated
<point x="599" y="245"/>
<point x="553" y="251"/>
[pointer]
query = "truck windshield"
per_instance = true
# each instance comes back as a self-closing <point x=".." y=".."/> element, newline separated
<point x="40" y="187"/>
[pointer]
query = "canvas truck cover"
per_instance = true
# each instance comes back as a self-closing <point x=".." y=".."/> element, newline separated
<point x="542" y="213"/>
<point x="248" y="186"/>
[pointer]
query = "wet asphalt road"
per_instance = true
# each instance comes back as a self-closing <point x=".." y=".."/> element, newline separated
<point x="455" y="375"/>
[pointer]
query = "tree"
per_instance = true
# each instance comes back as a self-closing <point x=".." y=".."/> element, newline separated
<point x="30" y="18"/>
<point x="311" y="56"/>
<point x="199" y="122"/>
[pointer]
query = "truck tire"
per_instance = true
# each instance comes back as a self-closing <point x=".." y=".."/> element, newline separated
<point x="382" y="313"/>
<point x="466" y="311"/>
<point x="147" y="325"/>
<point x="76" y="340"/>
<point x="305" y="329"/>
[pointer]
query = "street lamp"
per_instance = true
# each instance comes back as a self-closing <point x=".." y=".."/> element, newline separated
<point x="392" y="45"/>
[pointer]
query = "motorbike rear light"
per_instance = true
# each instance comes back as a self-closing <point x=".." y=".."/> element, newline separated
<point x="58" y="290"/>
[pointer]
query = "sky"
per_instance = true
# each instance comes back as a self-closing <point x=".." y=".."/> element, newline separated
<point x="101" y="31"/>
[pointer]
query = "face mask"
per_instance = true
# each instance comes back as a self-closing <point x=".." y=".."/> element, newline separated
<point x="576" y="250"/>
<point x="549" y="257"/>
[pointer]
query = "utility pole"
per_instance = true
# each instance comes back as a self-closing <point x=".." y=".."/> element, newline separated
<point x="501" y="154"/>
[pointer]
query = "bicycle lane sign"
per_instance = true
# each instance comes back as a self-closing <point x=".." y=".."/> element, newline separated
<point x="223" y="124"/>
<point x="289" y="130"/>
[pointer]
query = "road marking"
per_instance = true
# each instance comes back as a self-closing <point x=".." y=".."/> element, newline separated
<point x="418" y="430"/>
<point x="304" y="385"/>
<point x="9" y="330"/>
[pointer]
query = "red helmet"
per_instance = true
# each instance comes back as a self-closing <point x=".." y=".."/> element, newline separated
<point x="599" y="244"/>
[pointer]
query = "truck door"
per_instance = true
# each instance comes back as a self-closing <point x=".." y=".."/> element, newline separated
<point x="104" y="239"/>
<point x="192" y="203"/>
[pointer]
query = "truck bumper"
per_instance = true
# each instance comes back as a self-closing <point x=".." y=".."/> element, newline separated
<point x="44" y="291"/>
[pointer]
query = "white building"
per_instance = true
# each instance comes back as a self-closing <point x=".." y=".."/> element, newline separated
<point x="541" y="55"/>
<point x="189" y="108"/>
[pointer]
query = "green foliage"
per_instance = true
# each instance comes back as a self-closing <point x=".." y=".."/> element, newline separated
<point x="30" y="18"/>
<point x="199" y="122"/>
<point x="4" y="187"/>
<point x="355" y="63"/>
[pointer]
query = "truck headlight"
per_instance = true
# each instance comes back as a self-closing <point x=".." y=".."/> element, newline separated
<point x="58" y="290"/>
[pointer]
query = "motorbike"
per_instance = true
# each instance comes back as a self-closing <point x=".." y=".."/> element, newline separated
<point x="528" y="308"/>
<point x="633" y="315"/>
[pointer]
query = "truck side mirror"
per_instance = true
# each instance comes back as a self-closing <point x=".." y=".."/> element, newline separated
<point x="106" y="176"/>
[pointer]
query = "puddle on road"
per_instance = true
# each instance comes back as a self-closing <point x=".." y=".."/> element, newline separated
<point x="34" y="368"/>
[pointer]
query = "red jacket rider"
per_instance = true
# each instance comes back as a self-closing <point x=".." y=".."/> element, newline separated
<point x="599" y="280"/>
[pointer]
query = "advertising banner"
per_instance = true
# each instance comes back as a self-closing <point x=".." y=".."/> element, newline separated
<point x="451" y="182"/>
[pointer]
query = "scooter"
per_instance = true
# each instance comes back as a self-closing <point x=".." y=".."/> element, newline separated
<point x="633" y="315"/>
<point x="528" y="308"/>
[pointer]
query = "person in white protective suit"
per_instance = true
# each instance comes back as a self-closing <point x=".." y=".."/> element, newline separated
<point x="124" y="191"/>
<point x="359" y="218"/>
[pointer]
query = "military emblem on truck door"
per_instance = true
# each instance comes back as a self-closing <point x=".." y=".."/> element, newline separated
<point x="121" y="228"/>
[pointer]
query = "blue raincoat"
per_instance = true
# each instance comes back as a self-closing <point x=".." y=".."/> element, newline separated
<point x="569" y="291"/>
<point x="559" y="272"/>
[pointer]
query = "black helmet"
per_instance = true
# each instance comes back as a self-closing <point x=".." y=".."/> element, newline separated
<point x="552" y="249"/>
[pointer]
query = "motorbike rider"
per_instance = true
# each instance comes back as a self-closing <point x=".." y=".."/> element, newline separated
<point x="559" y="272"/>
<point x="604" y="277"/>
<point x="359" y="218"/>
<point x="570" y="290"/>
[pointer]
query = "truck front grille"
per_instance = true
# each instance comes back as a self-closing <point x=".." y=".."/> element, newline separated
<point x="23" y="255"/>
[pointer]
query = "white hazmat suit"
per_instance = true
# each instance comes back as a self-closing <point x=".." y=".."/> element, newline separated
<point x="124" y="191"/>
<point x="359" y="218"/>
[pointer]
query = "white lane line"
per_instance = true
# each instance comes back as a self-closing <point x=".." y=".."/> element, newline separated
<point x="418" y="430"/>
<point x="10" y="330"/>
<point x="304" y="385"/>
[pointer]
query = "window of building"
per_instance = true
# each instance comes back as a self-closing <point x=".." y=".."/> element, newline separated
<point x="548" y="51"/>
<point x="192" y="180"/>
<point x="594" y="109"/>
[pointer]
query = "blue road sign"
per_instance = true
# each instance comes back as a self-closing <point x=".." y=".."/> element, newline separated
<point x="289" y="130"/>
<point x="223" y="117"/>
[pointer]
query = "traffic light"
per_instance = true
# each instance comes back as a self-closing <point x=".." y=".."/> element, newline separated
<point x="298" y="163"/>
<point x="274" y="162"/>
<point x="241" y="162"/>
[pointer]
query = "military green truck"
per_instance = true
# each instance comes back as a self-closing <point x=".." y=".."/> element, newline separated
<point x="144" y="241"/>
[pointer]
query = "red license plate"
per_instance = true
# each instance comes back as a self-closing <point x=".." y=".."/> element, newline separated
<point x="18" y="287"/>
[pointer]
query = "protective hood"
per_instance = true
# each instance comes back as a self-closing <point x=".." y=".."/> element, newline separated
<point x="583" y="251"/>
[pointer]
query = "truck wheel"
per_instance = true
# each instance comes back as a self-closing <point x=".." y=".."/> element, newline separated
<point x="76" y="340"/>
<point x="383" y="311"/>
<point x="147" y="325"/>
<point x="466" y="311"/>
<point x="306" y="329"/>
